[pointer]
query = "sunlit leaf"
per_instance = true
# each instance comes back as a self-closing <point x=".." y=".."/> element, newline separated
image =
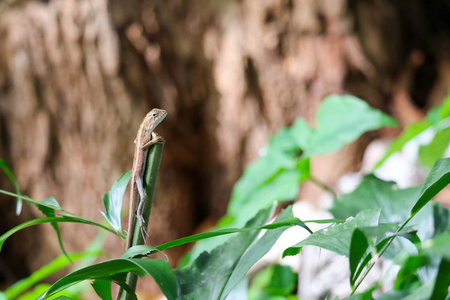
<point x="428" y="154"/>
<point x="207" y="276"/>
<point x="257" y="251"/>
<point x="337" y="237"/>
<point x="102" y="288"/>
<point x="113" y="201"/>
<point x="438" y="178"/>
<point x="341" y="120"/>
<point x="64" y="219"/>
<point x="358" y="247"/>
<point x="159" y="269"/>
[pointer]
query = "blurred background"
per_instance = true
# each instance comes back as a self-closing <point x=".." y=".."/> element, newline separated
<point x="77" y="78"/>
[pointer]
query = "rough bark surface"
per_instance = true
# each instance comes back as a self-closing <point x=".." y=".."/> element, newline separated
<point x="76" y="78"/>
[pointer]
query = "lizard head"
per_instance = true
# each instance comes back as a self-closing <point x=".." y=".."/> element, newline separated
<point x="155" y="116"/>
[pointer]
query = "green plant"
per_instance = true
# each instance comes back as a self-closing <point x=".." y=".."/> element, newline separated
<point x="375" y="220"/>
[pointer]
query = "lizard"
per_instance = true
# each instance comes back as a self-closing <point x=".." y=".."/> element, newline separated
<point x="145" y="138"/>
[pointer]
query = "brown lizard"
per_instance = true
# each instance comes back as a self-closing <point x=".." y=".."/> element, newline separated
<point x="145" y="138"/>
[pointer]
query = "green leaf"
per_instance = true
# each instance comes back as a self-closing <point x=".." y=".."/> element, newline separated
<point x="410" y="132"/>
<point x="283" y="141"/>
<point x="374" y="193"/>
<point x="428" y="154"/>
<point x="337" y="237"/>
<point x="358" y="247"/>
<point x="273" y="282"/>
<point x="215" y="233"/>
<point x="442" y="283"/>
<point x="102" y="288"/>
<point x="283" y="187"/>
<point x="283" y="281"/>
<point x="302" y="133"/>
<point x="157" y="268"/>
<point x="407" y="277"/>
<point x="257" y="175"/>
<point x="139" y="251"/>
<point x="208" y="275"/>
<point x="113" y="201"/>
<point x="441" y="219"/>
<point x="65" y="219"/>
<point x="341" y="120"/>
<point x="50" y="203"/>
<point x="11" y="177"/>
<point x="49" y="212"/>
<point x="257" y="251"/>
<point x="438" y="179"/>
<point x="44" y="272"/>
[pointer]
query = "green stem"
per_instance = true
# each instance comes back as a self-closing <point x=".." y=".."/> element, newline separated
<point x="379" y="256"/>
<point x="150" y="174"/>
<point x="323" y="186"/>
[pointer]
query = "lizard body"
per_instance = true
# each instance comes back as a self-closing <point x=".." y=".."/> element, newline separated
<point x="145" y="138"/>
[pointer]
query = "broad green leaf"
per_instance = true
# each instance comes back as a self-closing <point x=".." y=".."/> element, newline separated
<point x="64" y="219"/>
<point x="157" y="268"/>
<point x="395" y="204"/>
<point x="302" y="133"/>
<point x="337" y="237"/>
<point x="102" y="288"/>
<point x="341" y="120"/>
<point x="283" y="141"/>
<point x="428" y="154"/>
<point x="283" y="282"/>
<point x="407" y="277"/>
<point x="207" y="276"/>
<point x="44" y="272"/>
<point x="283" y="187"/>
<point x="257" y="251"/>
<point x="274" y="282"/>
<point x="374" y="193"/>
<point x="113" y="201"/>
<point x="358" y="247"/>
<point x="11" y="177"/>
<point x="438" y="179"/>
<point x="257" y="175"/>
<point x="442" y="282"/>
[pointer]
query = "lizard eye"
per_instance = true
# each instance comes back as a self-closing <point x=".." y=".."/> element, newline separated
<point x="154" y="114"/>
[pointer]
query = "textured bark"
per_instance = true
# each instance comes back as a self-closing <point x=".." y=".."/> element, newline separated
<point x="76" y="78"/>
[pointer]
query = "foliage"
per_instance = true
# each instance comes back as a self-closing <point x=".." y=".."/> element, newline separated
<point x="376" y="219"/>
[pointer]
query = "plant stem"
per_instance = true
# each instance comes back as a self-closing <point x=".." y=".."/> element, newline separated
<point x="150" y="174"/>
<point x="366" y="272"/>
<point x="323" y="186"/>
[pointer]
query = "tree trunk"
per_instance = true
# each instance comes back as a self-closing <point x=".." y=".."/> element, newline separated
<point x="77" y="77"/>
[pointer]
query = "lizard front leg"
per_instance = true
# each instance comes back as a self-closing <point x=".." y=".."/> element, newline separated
<point x="156" y="138"/>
